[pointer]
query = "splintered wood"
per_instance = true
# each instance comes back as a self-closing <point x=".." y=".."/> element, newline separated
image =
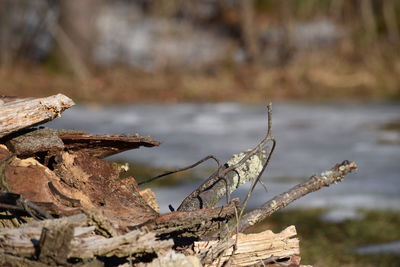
<point x="255" y="248"/>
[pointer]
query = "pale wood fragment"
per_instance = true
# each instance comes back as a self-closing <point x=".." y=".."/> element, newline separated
<point x="27" y="112"/>
<point x="150" y="198"/>
<point x="255" y="248"/>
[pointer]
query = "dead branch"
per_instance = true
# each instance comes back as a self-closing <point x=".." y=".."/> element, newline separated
<point x="28" y="112"/>
<point x="316" y="182"/>
<point x="247" y="166"/>
<point x="182" y="169"/>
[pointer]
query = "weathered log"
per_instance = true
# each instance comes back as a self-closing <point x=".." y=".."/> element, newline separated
<point x="28" y="112"/>
<point x="21" y="242"/>
<point x="251" y="249"/>
<point x="34" y="141"/>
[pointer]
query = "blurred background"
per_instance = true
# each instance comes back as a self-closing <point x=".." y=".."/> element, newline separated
<point x="201" y="50"/>
<point x="197" y="75"/>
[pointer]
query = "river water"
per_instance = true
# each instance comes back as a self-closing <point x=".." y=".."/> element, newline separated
<point x="310" y="138"/>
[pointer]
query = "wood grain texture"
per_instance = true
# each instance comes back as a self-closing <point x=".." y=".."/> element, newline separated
<point x="252" y="249"/>
<point x="28" y="112"/>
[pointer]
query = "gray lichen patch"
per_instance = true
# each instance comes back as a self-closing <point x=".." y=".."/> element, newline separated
<point x="247" y="171"/>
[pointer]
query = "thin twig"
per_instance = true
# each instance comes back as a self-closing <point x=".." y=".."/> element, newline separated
<point x="181" y="169"/>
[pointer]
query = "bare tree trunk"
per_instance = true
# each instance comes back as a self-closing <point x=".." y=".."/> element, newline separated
<point x="249" y="32"/>
<point x="77" y="19"/>
<point x="389" y="14"/>
<point x="76" y="33"/>
<point x="368" y="19"/>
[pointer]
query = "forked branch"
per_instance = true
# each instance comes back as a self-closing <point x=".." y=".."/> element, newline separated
<point x="242" y="168"/>
<point x="316" y="182"/>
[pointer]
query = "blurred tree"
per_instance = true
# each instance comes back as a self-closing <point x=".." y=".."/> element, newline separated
<point x="249" y="31"/>
<point x="391" y="20"/>
<point x="76" y="34"/>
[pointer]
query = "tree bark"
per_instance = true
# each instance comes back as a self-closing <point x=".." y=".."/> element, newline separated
<point x="249" y="32"/>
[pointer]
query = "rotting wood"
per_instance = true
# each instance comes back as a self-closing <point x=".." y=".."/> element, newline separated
<point x="251" y="249"/>
<point x="79" y="182"/>
<point x="28" y="112"/>
<point x="98" y="181"/>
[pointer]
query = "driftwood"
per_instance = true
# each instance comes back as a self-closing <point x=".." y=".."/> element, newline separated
<point x="46" y="173"/>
